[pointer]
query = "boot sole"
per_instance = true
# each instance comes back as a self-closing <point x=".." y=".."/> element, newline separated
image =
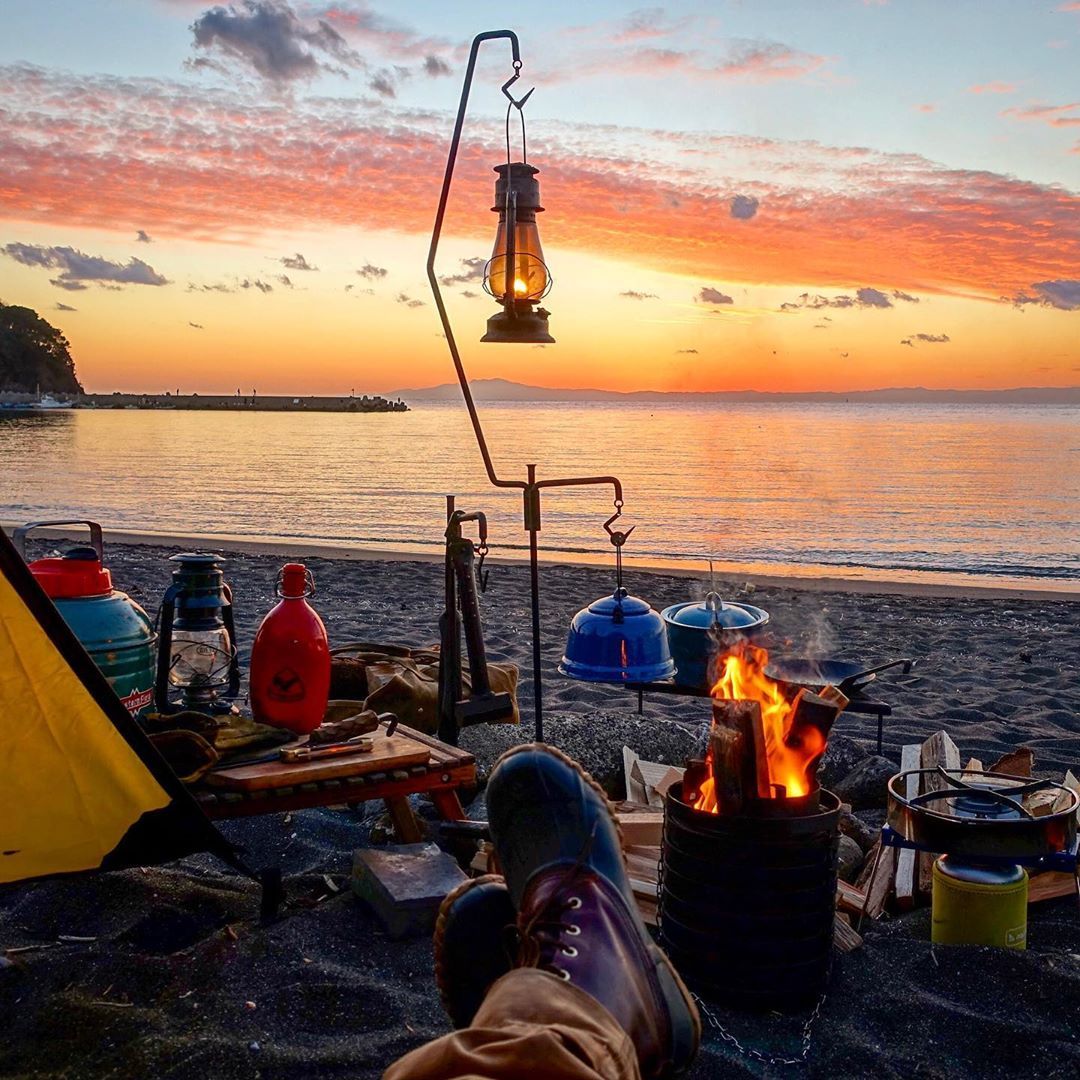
<point x="682" y="1012"/>
<point x="438" y="939"/>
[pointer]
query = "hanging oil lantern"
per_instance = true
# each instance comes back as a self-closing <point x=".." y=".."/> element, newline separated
<point x="516" y="274"/>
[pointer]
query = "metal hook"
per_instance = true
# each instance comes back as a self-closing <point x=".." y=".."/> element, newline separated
<point x="519" y="105"/>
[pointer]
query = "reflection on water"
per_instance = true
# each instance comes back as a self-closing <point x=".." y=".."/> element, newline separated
<point x="984" y="490"/>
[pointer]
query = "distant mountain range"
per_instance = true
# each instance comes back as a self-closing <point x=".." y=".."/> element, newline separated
<point x="496" y="390"/>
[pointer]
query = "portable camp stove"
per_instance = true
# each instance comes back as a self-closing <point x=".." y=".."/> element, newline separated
<point x="982" y="817"/>
<point x="992" y="828"/>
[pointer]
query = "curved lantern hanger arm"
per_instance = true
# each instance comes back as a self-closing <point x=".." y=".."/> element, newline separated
<point x="451" y="161"/>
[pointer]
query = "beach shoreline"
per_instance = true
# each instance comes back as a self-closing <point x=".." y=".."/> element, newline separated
<point x="939" y="584"/>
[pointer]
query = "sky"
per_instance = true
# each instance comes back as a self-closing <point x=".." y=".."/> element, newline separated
<point x="759" y="195"/>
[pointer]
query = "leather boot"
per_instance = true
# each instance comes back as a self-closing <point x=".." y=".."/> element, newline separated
<point x="558" y="844"/>
<point x="475" y="944"/>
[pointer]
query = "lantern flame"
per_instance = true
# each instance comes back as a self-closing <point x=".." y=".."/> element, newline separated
<point x="743" y="678"/>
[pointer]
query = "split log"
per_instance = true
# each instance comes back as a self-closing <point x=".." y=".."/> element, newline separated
<point x="740" y="765"/>
<point x="845" y="937"/>
<point x="642" y="863"/>
<point x="849" y="899"/>
<point x="811" y="723"/>
<point x="1051" y="886"/>
<point x="727" y="757"/>
<point x="973" y="765"/>
<point x="907" y="860"/>
<point x="1041" y="803"/>
<point x="638" y="829"/>
<point x="876" y="883"/>
<point x="938" y="750"/>
<point x="1063" y="800"/>
<point x="1018" y="762"/>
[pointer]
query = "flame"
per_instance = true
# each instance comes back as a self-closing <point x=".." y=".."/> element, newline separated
<point x="743" y="678"/>
<point x="520" y="288"/>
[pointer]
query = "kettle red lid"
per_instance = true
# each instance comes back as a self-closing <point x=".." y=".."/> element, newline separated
<point x="77" y="573"/>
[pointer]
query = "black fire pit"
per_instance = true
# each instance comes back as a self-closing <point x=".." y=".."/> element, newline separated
<point x="747" y="901"/>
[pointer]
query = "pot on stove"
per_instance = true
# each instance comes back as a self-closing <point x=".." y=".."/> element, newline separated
<point x="698" y="631"/>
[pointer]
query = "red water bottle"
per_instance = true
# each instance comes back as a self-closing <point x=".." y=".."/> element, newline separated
<point x="290" y="660"/>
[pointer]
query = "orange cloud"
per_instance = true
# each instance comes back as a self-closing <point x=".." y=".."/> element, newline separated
<point x="1054" y="115"/>
<point x="121" y="154"/>
<point x="992" y="88"/>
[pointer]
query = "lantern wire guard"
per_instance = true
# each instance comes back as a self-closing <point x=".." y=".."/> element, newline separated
<point x="530" y="487"/>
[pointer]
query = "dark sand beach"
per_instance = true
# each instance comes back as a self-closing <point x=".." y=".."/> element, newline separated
<point x="171" y="974"/>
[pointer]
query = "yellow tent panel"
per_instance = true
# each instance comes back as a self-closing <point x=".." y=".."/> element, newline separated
<point x="81" y="787"/>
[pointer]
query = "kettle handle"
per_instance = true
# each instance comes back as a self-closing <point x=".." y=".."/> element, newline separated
<point x="18" y="537"/>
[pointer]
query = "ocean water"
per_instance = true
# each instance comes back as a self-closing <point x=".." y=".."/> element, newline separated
<point x="984" y="493"/>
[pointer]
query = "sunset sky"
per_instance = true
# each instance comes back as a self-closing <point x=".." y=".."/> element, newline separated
<point x="768" y="195"/>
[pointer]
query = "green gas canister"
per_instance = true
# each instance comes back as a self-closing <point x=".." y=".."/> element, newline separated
<point x="114" y="630"/>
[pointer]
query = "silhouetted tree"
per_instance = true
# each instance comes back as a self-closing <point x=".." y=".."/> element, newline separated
<point x="33" y="353"/>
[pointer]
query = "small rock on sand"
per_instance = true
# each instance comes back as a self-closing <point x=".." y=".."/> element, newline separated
<point x="864" y="786"/>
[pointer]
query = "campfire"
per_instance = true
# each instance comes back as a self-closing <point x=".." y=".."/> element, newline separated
<point x="765" y="743"/>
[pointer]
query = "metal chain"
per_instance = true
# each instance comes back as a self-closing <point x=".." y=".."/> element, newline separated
<point x="714" y="1021"/>
<point x="752" y="1052"/>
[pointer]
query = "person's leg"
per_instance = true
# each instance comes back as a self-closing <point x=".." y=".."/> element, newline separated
<point x="531" y="1024"/>
<point x="593" y="995"/>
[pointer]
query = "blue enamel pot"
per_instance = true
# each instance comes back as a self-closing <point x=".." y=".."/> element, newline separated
<point x="698" y="630"/>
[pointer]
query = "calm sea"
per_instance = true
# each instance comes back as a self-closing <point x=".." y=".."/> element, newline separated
<point x="972" y="492"/>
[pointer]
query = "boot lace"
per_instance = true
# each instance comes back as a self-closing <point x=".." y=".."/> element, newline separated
<point x="542" y="938"/>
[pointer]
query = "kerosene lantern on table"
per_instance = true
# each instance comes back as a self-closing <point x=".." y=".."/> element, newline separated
<point x="197" y="647"/>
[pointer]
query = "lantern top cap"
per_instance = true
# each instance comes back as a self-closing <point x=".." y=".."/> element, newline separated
<point x="198" y="558"/>
<point x="512" y="167"/>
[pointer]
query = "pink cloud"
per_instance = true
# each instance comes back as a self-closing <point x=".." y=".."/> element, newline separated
<point x="1054" y="115"/>
<point x="182" y="160"/>
<point x="992" y="88"/>
<point x="1072" y="5"/>
<point x="926" y="107"/>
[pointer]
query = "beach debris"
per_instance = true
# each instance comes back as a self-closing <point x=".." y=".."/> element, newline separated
<point x="404" y="884"/>
<point x="254" y="1047"/>
<point x="250" y="1006"/>
<point x="76" y="939"/>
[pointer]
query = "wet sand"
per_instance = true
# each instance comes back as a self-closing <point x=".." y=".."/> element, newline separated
<point x="177" y="955"/>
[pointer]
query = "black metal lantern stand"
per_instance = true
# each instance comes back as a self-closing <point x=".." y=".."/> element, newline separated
<point x="517" y="277"/>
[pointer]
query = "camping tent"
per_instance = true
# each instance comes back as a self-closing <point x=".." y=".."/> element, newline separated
<point x="81" y="787"/>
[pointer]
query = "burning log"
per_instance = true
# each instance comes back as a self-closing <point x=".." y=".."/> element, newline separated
<point x="762" y="745"/>
<point x="811" y="722"/>
<point x="738" y="758"/>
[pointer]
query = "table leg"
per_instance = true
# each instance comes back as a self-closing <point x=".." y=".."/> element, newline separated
<point x="406" y="827"/>
<point x="448" y="804"/>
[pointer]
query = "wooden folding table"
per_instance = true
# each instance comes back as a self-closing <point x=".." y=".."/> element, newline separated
<point x="406" y="763"/>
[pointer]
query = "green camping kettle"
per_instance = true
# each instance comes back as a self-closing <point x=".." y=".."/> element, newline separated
<point x="110" y="626"/>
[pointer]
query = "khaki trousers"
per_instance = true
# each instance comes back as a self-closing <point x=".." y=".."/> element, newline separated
<point x="531" y="1026"/>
